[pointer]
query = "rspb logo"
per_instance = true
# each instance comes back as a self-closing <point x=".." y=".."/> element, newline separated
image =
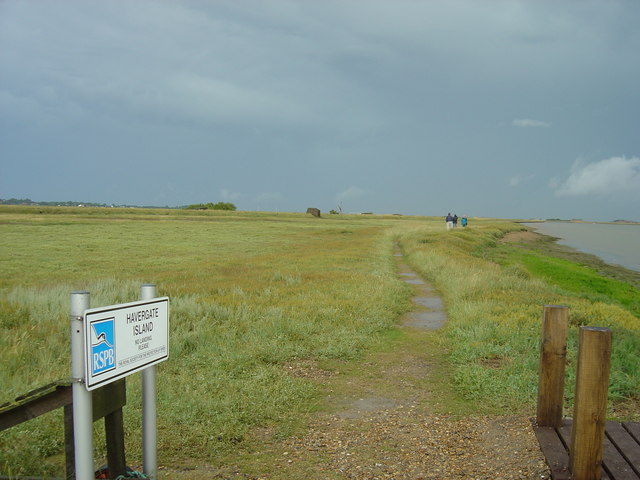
<point x="103" y="347"/>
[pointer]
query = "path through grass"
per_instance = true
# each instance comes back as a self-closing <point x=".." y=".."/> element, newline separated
<point x="250" y="294"/>
<point x="260" y="303"/>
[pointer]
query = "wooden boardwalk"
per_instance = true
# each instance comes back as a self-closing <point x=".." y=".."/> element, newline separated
<point x="621" y="450"/>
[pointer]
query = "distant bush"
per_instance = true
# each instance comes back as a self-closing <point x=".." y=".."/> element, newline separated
<point x="212" y="206"/>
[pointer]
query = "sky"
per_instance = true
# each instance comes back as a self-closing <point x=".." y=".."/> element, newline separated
<point x="507" y="109"/>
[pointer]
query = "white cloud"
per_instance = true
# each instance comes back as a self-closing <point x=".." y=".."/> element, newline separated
<point x="611" y="176"/>
<point x="529" y="123"/>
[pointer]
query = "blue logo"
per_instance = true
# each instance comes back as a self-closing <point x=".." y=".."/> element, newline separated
<point x="103" y="346"/>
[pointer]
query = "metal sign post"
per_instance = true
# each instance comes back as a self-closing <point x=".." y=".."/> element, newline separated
<point x="149" y="418"/>
<point x="82" y="398"/>
<point x="110" y="343"/>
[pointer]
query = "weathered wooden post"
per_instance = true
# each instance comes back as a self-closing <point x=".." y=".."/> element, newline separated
<point x="108" y="402"/>
<point x="590" y="405"/>
<point x="553" y="356"/>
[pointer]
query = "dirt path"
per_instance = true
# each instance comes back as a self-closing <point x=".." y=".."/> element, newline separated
<point x="382" y="420"/>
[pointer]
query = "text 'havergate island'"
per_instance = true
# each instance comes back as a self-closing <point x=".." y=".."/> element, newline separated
<point x="142" y="320"/>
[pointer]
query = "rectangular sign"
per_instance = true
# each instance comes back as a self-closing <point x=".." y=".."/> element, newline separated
<point x="123" y="339"/>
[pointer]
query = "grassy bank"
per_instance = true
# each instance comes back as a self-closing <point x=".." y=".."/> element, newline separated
<point x="495" y="282"/>
<point x="255" y="297"/>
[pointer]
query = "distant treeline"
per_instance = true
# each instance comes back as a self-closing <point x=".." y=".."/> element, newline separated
<point x="212" y="206"/>
<point x="196" y="206"/>
<point x="27" y="201"/>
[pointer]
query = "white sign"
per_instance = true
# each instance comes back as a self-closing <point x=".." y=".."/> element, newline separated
<point x="123" y="339"/>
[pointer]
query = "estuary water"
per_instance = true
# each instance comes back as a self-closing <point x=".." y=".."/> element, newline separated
<point x="616" y="244"/>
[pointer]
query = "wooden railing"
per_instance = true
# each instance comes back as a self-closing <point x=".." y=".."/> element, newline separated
<point x="107" y="403"/>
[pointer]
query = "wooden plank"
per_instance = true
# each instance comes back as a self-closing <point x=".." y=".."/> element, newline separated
<point x="565" y="435"/>
<point x="554" y="452"/>
<point x="617" y="466"/>
<point x="634" y="429"/>
<point x="106" y="400"/>
<point x="614" y="463"/>
<point x="34" y="404"/>
<point x="625" y="443"/>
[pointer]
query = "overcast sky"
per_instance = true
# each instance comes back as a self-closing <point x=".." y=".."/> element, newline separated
<point x="510" y="109"/>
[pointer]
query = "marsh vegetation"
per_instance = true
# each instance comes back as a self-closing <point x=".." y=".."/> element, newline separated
<point x="255" y="297"/>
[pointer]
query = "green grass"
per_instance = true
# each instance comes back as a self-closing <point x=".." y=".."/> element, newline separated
<point x="249" y="294"/>
<point x="582" y="280"/>
<point x="253" y="294"/>
<point x="494" y="294"/>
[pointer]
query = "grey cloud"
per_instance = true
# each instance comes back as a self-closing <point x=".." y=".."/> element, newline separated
<point x="417" y="105"/>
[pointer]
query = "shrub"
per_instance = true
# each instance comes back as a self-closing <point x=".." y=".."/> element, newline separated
<point x="212" y="206"/>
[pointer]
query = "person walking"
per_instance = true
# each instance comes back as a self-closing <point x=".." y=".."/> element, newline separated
<point x="449" y="220"/>
<point x="455" y="221"/>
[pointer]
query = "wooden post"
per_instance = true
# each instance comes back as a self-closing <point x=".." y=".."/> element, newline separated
<point x="553" y="357"/>
<point x="114" y="434"/>
<point x="111" y="398"/>
<point x="69" y="452"/>
<point x="590" y="405"/>
<point x="107" y="402"/>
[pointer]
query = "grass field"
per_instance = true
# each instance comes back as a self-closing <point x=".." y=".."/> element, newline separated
<point x="249" y="293"/>
<point x="254" y="294"/>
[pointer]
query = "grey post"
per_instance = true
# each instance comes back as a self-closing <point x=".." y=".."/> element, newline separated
<point x="82" y="398"/>
<point x="149" y="419"/>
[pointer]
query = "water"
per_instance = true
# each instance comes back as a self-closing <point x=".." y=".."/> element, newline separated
<point x="616" y="244"/>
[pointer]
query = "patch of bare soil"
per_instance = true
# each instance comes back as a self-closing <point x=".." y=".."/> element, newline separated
<point x="382" y="419"/>
<point x="520" y="237"/>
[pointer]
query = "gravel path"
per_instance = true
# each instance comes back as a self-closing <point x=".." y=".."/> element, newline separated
<point x="375" y="437"/>
<point x="383" y="424"/>
<point x="405" y="443"/>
